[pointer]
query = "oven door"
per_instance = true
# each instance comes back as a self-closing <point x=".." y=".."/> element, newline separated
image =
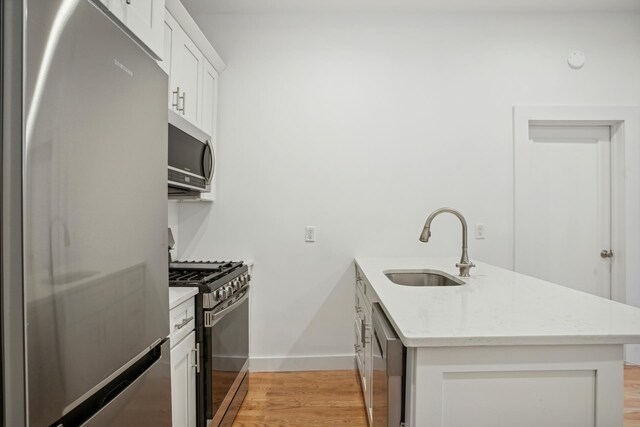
<point x="227" y="358"/>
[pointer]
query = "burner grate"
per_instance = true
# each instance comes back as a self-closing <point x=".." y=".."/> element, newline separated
<point x="196" y="273"/>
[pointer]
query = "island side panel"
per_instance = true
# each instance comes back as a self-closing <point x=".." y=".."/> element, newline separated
<point x="527" y="386"/>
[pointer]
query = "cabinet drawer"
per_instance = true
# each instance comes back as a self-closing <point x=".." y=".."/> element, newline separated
<point x="182" y="321"/>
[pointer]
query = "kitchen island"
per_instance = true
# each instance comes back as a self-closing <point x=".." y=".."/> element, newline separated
<point x="503" y="349"/>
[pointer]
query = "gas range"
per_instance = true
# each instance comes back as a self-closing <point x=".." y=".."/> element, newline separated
<point x="222" y="335"/>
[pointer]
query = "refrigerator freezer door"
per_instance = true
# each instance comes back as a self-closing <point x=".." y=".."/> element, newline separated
<point x="95" y="203"/>
<point x="145" y="402"/>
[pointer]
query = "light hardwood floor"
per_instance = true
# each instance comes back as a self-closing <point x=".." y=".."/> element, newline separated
<point x="333" y="398"/>
<point x="632" y="396"/>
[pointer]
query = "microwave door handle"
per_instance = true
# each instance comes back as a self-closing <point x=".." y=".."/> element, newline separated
<point x="212" y="159"/>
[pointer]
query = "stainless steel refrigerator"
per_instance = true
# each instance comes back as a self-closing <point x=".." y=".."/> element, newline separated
<point x="85" y="157"/>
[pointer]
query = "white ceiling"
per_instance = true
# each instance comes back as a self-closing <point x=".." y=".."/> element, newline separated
<point x="203" y="7"/>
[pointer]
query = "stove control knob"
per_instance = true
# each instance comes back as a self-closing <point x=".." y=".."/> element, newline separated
<point x="217" y="295"/>
<point x="243" y="279"/>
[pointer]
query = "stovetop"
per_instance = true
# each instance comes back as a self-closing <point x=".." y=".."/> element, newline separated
<point x="206" y="275"/>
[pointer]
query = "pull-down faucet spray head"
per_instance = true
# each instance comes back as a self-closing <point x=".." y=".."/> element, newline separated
<point x="426" y="233"/>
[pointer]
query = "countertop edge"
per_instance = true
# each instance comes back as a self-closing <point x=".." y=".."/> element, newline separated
<point x="506" y="341"/>
<point x="180" y="295"/>
<point x="417" y="341"/>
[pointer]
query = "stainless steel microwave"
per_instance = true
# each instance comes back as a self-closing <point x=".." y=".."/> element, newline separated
<point x="191" y="159"/>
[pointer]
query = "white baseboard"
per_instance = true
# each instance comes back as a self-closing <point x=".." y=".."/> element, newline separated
<point x="302" y="363"/>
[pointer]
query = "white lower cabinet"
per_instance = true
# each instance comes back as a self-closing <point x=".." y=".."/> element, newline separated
<point x="363" y="346"/>
<point x="183" y="382"/>
<point x="184" y="363"/>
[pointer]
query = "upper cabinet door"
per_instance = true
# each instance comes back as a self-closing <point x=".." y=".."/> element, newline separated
<point x="186" y="77"/>
<point x="171" y="28"/>
<point x="144" y="18"/>
<point x="209" y="97"/>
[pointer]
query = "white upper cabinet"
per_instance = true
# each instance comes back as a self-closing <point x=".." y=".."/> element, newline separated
<point x="186" y="78"/>
<point x="171" y="27"/>
<point x="193" y="67"/>
<point x="209" y="98"/>
<point x="143" y="18"/>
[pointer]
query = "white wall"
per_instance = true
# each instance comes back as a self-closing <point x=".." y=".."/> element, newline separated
<point x="363" y="124"/>
<point x="174" y="225"/>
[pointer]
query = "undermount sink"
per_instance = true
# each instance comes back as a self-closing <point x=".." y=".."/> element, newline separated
<point x="422" y="278"/>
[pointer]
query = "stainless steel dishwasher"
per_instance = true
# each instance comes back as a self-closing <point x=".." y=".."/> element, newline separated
<point x="387" y="384"/>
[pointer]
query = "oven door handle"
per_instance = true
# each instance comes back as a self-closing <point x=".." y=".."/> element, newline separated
<point x="211" y="318"/>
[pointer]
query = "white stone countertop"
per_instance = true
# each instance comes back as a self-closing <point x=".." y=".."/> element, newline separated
<point x="495" y="307"/>
<point x="179" y="295"/>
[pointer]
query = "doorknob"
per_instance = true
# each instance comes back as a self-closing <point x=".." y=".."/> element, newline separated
<point x="606" y="254"/>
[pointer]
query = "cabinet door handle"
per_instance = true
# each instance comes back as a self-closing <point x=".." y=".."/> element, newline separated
<point x="184" y="105"/>
<point x="606" y="254"/>
<point x="184" y="322"/>
<point x="176" y="97"/>
<point x="196" y="364"/>
<point x="366" y="338"/>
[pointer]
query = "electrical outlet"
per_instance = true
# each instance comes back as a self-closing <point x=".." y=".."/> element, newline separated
<point x="310" y="233"/>
<point x="479" y="231"/>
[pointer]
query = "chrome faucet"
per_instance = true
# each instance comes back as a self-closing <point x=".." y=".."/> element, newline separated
<point x="464" y="265"/>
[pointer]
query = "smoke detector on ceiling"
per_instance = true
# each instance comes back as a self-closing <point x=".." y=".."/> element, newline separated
<point x="576" y="59"/>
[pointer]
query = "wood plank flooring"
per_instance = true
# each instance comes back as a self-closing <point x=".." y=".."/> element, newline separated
<point x="333" y="398"/>
<point x="632" y="396"/>
<point x="302" y="399"/>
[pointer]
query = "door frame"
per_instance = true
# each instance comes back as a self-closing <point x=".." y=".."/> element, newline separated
<point x="624" y="121"/>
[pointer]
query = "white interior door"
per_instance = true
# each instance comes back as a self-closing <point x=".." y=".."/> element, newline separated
<point x="563" y="206"/>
